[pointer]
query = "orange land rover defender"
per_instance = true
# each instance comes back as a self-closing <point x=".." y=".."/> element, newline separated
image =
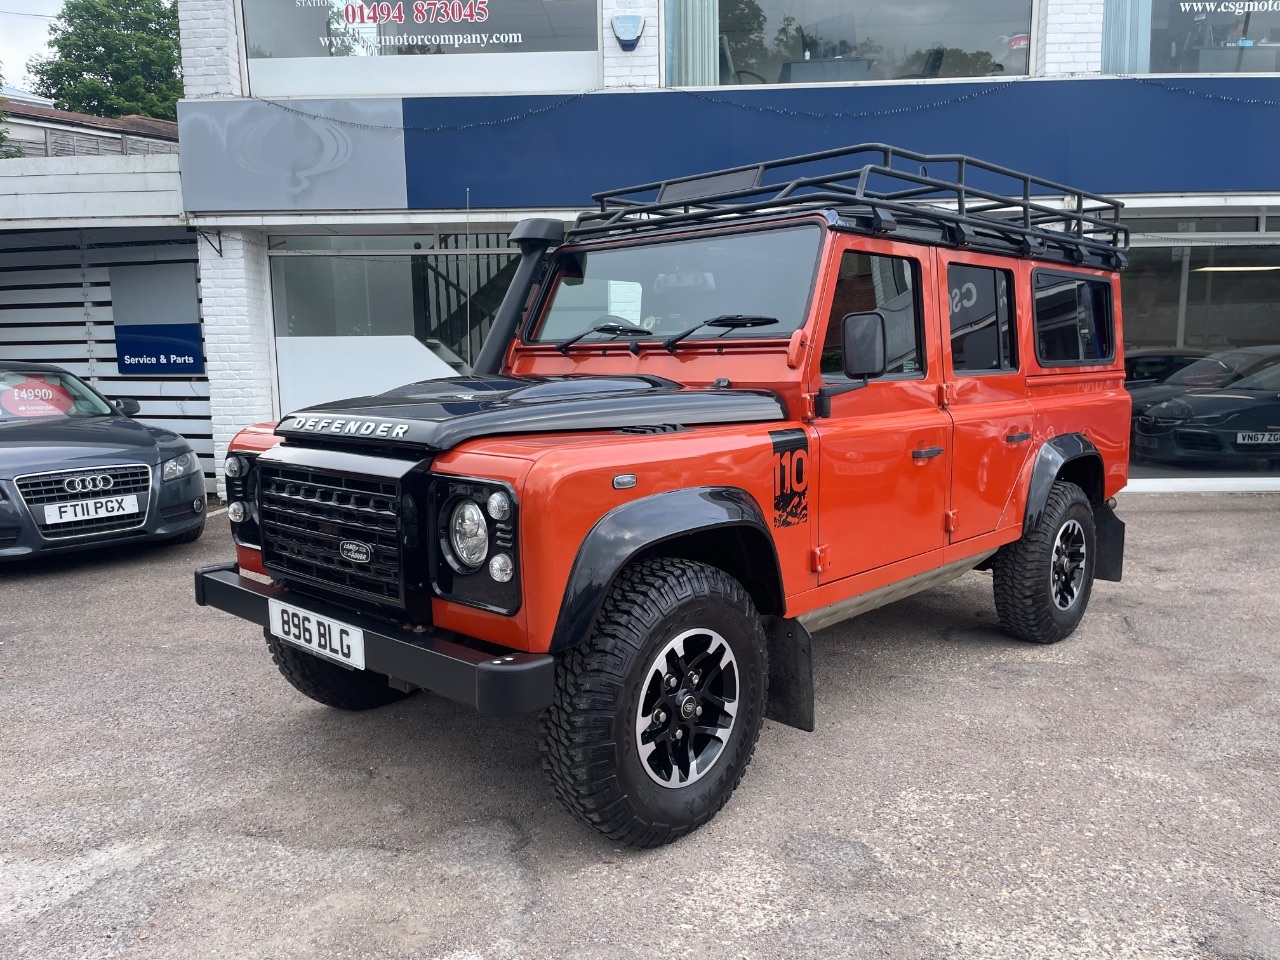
<point x="717" y="414"/>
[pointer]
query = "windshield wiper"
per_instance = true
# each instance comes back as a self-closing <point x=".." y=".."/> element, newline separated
<point x="617" y="329"/>
<point x="731" y="321"/>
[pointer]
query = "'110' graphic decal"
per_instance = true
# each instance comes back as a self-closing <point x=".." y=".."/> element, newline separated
<point x="790" y="477"/>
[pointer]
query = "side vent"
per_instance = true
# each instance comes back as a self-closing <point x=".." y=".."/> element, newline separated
<point x="648" y="428"/>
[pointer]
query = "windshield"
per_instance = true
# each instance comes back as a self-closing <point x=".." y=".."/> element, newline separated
<point x="666" y="288"/>
<point x="27" y="396"/>
<point x="1222" y="369"/>
<point x="1268" y="379"/>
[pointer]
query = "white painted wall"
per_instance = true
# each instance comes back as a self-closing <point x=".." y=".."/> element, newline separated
<point x="58" y="192"/>
<point x="1069" y="37"/>
<point x="238" y="341"/>
<point x="211" y="48"/>
<point x="640" y="68"/>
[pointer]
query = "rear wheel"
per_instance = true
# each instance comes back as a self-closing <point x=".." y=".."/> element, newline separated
<point x="1043" y="581"/>
<point x="655" y="718"/>
<point x="328" y="683"/>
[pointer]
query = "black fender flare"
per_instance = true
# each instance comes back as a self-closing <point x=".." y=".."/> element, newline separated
<point x="626" y="530"/>
<point x="1054" y="454"/>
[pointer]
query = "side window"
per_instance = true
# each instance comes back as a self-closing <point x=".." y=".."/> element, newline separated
<point x="983" y="338"/>
<point x="1073" y="319"/>
<point x="888" y="284"/>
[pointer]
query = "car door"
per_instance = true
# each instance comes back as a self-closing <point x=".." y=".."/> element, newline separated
<point x="884" y="460"/>
<point x="992" y="417"/>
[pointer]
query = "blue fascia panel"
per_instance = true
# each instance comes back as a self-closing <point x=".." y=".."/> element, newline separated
<point x="1113" y="135"/>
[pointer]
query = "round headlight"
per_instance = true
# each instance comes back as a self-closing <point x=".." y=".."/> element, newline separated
<point x="237" y="511"/>
<point x="501" y="568"/>
<point x="499" y="505"/>
<point x="468" y="533"/>
<point x="236" y="467"/>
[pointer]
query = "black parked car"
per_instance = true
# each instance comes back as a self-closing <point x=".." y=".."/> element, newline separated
<point x="1208" y="373"/>
<point x="1148" y="365"/>
<point x="1239" y="422"/>
<point x="76" y="471"/>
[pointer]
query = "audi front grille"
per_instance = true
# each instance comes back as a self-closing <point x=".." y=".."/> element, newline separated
<point x="66" y="486"/>
<point x="306" y="514"/>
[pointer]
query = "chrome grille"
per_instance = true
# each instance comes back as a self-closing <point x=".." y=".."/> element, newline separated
<point x="40" y="489"/>
<point x="305" y="516"/>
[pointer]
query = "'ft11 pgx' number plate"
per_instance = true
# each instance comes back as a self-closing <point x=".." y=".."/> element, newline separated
<point x="326" y="638"/>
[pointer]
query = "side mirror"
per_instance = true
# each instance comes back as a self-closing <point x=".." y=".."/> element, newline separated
<point x="863" y="342"/>
<point x="128" y="406"/>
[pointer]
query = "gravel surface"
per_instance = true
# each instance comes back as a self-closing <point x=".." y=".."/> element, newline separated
<point x="164" y="794"/>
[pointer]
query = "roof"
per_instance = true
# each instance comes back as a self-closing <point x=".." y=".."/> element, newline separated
<point x="132" y="125"/>
<point x="15" y="95"/>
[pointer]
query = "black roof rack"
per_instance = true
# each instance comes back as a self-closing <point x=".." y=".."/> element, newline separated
<point x="960" y="201"/>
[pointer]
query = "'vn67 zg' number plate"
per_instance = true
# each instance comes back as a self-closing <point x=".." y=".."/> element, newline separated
<point x="326" y="638"/>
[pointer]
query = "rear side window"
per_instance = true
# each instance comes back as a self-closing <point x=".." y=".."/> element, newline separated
<point x="1073" y="319"/>
<point x="982" y="333"/>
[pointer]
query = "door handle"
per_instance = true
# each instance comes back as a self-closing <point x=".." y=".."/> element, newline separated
<point x="928" y="453"/>
<point x="1017" y="437"/>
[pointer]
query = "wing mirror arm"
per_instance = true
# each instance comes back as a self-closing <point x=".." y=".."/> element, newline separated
<point x="862" y="342"/>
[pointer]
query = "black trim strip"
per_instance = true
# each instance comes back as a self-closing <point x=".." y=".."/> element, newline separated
<point x="494" y="680"/>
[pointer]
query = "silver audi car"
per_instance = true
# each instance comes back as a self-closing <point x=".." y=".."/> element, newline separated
<point x="77" y="471"/>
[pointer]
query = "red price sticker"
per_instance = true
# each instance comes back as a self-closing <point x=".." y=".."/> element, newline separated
<point x="36" y="398"/>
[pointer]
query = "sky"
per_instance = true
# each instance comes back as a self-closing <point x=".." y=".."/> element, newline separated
<point x="23" y="37"/>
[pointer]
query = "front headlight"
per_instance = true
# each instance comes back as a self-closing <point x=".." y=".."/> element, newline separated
<point x="468" y="533"/>
<point x="180" y="466"/>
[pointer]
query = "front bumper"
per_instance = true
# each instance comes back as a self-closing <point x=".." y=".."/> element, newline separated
<point x="494" y="680"/>
<point x="169" y="514"/>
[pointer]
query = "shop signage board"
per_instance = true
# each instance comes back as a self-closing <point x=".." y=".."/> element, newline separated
<point x="159" y="348"/>
<point x="333" y="28"/>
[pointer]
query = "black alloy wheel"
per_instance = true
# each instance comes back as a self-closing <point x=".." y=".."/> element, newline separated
<point x="1044" y="580"/>
<point x="656" y="715"/>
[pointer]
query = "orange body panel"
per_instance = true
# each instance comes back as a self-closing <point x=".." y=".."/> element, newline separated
<point x="875" y="513"/>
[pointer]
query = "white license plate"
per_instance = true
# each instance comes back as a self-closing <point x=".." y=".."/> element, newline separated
<point x="1258" y="438"/>
<point x="90" y="509"/>
<point x="1148" y="442"/>
<point x="331" y="639"/>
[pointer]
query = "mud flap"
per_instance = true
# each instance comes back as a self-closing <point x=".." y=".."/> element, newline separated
<point x="790" y="673"/>
<point x="1109" y="530"/>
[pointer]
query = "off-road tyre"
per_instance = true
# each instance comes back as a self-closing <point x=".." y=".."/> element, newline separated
<point x="1024" y="574"/>
<point x="590" y="750"/>
<point x="328" y="683"/>
<point x="190" y="536"/>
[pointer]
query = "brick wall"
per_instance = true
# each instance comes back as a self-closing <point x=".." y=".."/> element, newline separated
<point x="639" y="68"/>
<point x="210" y="48"/>
<point x="235" y="295"/>
<point x="1070" y="37"/>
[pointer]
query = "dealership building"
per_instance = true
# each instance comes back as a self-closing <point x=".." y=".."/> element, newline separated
<point x="350" y="172"/>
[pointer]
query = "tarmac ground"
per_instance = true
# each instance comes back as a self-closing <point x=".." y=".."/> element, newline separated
<point x="165" y="794"/>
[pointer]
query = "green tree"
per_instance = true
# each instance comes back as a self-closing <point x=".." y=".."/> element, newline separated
<point x="112" y="59"/>
<point x="6" y="150"/>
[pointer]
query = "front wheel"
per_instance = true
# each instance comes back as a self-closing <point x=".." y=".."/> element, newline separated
<point x="1043" y="581"/>
<point x="656" y="716"/>
<point x="328" y="683"/>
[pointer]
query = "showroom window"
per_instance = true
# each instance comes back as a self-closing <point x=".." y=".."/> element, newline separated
<point x="726" y="42"/>
<point x="1201" y="309"/>
<point x="362" y="314"/>
<point x="1188" y="36"/>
